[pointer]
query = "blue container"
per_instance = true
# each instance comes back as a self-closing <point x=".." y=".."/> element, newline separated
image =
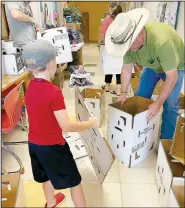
<point x="68" y="19"/>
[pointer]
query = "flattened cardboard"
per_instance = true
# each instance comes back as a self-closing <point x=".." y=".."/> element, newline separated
<point x="167" y="172"/>
<point x="130" y="135"/>
<point x="75" y="143"/>
<point x="95" y="99"/>
<point x="99" y="153"/>
<point x="177" y="149"/>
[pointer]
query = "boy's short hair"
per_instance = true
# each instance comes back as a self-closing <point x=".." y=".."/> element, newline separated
<point x="38" y="54"/>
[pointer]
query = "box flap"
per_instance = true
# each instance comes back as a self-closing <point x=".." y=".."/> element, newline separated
<point x="177" y="149"/>
<point x="177" y="169"/>
<point x="133" y="105"/>
<point x="92" y="93"/>
<point x="179" y="194"/>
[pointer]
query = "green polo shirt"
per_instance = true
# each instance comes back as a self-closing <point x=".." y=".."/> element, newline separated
<point x="163" y="49"/>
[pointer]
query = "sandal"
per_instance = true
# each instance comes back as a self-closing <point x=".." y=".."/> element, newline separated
<point x="114" y="93"/>
<point x="103" y="87"/>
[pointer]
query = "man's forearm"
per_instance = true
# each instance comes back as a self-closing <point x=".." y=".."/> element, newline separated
<point x="126" y="75"/>
<point x="20" y="16"/>
<point x="166" y="89"/>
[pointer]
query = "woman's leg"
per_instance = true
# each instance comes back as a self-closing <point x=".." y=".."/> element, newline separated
<point x="108" y="80"/>
<point x="118" y="83"/>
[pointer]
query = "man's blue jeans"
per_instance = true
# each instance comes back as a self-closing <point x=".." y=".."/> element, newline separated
<point x="147" y="83"/>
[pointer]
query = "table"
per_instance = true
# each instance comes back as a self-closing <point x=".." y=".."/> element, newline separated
<point x="77" y="47"/>
<point x="9" y="80"/>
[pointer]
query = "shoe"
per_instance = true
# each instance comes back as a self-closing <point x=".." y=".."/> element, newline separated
<point x="114" y="93"/>
<point x="60" y="198"/>
<point x="103" y="87"/>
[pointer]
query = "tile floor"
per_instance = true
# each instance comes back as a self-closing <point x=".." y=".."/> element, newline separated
<point x="122" y="187"/>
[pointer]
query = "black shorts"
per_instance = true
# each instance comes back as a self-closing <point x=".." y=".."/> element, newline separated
<point x="54" y="163"/>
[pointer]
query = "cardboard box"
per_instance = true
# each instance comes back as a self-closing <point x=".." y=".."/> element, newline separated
<point x="167" y="172"/>
<point x="178" y="149"/>
<point x="13" y="64"/>
<point x="97" y="148"/>
<point x="176" y="198"/>
<point x="13" y="191"/>
<point x="95" y="99"/>
<point x="73" y="26"/>
<point x="59" y="38"/>
<point x="130" y="135"/>
<point x="110" y="64"/>
<point x="75" y="143"/>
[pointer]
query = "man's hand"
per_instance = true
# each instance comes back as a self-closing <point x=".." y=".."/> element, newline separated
<point x="122" y="98"/>
<point x="153" y="110"/>
<point x="37" y="27"/>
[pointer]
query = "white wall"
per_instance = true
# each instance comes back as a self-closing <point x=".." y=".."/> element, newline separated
<point x="150" y="6"/>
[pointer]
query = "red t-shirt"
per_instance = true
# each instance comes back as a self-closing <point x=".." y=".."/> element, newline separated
<point x="42" y="99"/>
<point x="105" y="24"/>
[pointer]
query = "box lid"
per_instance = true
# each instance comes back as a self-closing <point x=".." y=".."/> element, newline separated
<point x="177" y="169"/>
<point x="177" y="149"/>
<point x="92" y="93"/>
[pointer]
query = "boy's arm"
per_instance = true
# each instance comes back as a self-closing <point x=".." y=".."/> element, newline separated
<point x="74" y="126"/>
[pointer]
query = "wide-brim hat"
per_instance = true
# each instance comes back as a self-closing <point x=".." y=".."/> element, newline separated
<point x="123" y="31"/>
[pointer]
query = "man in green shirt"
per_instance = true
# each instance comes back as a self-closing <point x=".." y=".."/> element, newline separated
<point x="160" y="50"/>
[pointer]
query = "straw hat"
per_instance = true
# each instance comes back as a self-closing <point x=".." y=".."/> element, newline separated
<point x="123" y="31"/>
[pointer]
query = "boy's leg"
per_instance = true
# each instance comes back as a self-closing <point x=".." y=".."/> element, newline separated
<point x="49" y="193"/>
<point x="147" y="83"/>
<point x="77" y="196"/>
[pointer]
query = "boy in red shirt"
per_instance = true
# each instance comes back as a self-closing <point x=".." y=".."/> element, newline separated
<point x="52" y="162"/>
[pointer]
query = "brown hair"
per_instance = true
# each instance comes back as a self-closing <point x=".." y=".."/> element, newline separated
<point x="116" y="8"/>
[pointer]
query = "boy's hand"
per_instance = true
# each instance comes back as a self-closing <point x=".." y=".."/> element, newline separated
<point x="94" y="122"/>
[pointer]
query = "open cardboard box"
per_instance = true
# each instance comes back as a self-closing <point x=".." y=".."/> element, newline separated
<point x="95" y="99"/>
<point x="130" y="135"/>
<point x="176" y="198"/>
<point x="177" y="149"/>
<point x="168" y="171"/>
<point x="134" y="84"/>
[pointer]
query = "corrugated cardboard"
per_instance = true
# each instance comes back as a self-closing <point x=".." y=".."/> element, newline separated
<point x="95" y="99"/>
<point x="75" y="143"/>
<point x="12" y="191"/>
<point x="59" y="38"/>
<point x="178" y="149"/>
<point x="98" y="151"/>
<point x="130" y="135"/>
<point x="168" y="171"/>
<point x="176" y="198"/>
